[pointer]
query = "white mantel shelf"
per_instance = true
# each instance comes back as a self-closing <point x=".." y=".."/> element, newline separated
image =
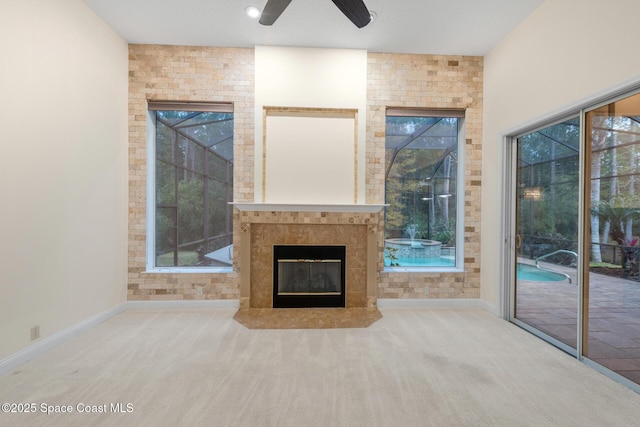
<point x="293" y="207"/>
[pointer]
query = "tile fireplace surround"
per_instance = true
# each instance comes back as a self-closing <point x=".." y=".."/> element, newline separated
<point x="263" y="225"/>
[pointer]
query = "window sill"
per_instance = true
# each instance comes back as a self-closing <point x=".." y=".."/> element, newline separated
<point x="423" y="270"/>
<point x="188" y="270"/>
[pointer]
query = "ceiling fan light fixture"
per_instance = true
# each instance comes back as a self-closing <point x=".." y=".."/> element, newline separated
<point x="355" y="10"/>
<point x="252" y="12"/>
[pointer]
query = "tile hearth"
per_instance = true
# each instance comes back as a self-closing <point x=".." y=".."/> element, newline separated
<point x="307" y="318"/>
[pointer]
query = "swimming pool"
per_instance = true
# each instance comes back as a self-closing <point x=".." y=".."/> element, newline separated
<point x="439" y="261"/>
<point x="534" y="274"/>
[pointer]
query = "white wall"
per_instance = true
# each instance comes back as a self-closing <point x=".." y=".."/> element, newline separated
<point x="63" y="168"/>
<point x="310" y="78"/>
<point x="565" y="54"/>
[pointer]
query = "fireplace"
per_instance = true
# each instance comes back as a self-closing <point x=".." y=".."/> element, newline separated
<point x="308" y="276"/>
<point x="355" y="228"/>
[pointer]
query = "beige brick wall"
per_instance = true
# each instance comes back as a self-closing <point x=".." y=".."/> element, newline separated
<point x="428" y="81"/>
<point x="227" y="74"/>
<point x="180" y="73"/>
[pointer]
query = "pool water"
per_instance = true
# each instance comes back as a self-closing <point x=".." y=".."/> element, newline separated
<point x="530" y="272"/>
<point x="439" y="261"/>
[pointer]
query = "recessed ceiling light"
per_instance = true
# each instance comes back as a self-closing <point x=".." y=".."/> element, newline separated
<point x="252" y="11"/>
<point x="373" y="16"/>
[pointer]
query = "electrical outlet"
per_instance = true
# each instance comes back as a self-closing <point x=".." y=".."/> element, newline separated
<point x="35" y="332"/>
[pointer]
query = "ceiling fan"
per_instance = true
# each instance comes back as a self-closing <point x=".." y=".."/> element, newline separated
<point x="355" y="10"/>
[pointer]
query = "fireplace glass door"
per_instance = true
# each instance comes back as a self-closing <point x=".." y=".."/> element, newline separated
<point x="309" y="276"/>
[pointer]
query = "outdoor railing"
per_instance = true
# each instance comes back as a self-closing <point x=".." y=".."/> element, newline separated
<point x="561" y="252"/>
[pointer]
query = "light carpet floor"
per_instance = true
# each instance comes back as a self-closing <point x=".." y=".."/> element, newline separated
<point x="413" y="367"/>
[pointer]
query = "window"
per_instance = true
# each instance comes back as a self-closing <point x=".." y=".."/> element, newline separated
<point x="423" y="178"/>
<point x="190" y="185"/>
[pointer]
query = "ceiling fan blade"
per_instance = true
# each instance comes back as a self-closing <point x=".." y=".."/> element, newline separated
<point x="272" y="11"/>
<point x="355" y="10"/>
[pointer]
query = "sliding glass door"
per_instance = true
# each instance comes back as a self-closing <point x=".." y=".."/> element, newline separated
<point x="545" y="262"/>
<point x="611" y="335"/>
<point x="575" y="236"/>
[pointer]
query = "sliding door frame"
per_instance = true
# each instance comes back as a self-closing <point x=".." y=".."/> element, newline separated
<point x="509" y="204"/>
<point x="586" y="243"/>
<point x="510" y="249"/>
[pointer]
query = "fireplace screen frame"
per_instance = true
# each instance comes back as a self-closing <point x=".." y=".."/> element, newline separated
<point x="309" y="255"/>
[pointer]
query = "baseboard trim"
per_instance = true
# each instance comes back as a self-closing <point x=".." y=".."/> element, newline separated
<point x="425" y="302"/>
<point x="181" y="304"/>
<point x="12" y="362"/>
<point x="491" y="308"/>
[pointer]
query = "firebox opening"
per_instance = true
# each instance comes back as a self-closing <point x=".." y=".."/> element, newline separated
<point x="308" y="276"/>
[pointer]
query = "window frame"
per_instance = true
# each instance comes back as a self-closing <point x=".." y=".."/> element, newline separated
<point x="458" y="267"/>
<point x="152" y="107"/>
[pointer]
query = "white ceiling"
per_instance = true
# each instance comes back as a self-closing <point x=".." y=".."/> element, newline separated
<point x="454" y="27"/>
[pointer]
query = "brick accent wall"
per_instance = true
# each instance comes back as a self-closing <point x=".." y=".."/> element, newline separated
<point x="227" y="75"/>
<point x="181" y="73"/>
<point x="428" y="81"/>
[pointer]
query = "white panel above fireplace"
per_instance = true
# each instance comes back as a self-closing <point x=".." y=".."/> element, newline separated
<point x="310" y="158"/>
<point x="314" y="79"/>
